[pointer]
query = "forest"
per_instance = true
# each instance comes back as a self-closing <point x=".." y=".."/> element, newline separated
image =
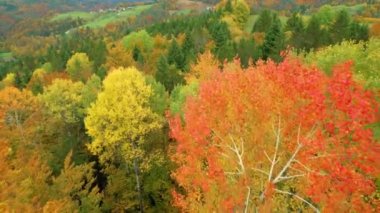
<point x="190" y="106"/>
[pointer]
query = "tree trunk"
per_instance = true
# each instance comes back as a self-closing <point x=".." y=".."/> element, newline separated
<point x="138" y="184"/>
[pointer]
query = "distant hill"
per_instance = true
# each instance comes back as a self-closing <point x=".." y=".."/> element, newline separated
<point x="12" y="11"/>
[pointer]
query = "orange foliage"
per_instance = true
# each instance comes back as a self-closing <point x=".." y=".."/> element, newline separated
<point x="48" y="78"/>
<point x="251" y="136"/>
<point x="16" y="106"/>
<point x="203" y="68"/>
<point x="23" y="180"/>
<point x="375" y="30"/>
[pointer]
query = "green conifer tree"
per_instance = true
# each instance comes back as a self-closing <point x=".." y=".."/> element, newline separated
<point x="274" y="41"/>
<point x="264" y="22"/>
<point x="296" y="26"/>
<point x="176" y="56"/>
<point x="167" y="74"/>
<point x="340" y="29"/>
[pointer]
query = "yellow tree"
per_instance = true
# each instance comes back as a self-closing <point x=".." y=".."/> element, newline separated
<point x="79" y="67"/>
<point x="118" y="56"/>
<point x="63" y="100"/>
<point x="120" y="120"/>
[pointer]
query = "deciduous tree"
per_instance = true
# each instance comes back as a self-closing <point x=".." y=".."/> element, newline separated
<point x="120" y="120"/>
<point x="274" y="138"/>
<point x="79" y="67"/>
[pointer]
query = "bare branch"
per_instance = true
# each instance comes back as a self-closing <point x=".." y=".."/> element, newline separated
<point x="292" y="158"/>
<point x="265" y="153"/>
<point x="303" y="165"/>
<point x="273" y="162"/>
<point x="241" y="147"/>
<point x="225" y="155"/>
<point x="290" y="177"/>
<point x="233" y="173"/>
<point x="247" y="199"/>
<point x="287" y="165"/>
<point x="300" y="198"/>
<point x="261" y="171"/>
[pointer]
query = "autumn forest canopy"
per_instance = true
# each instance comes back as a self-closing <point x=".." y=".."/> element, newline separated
<point x="190" y="106"/>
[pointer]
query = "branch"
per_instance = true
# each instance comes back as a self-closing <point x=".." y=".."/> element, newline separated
<point x="266" y="154"/>
<point x="300" y="198"/>
<point x="239" y="154"/>
<point x="247" y="200"/>
<point x="273" y="162"/>
<point x="233" y="173"/>
<point x="287" y="165"/>
<point x="290" y="177"/>
<point x="260" y="170"/>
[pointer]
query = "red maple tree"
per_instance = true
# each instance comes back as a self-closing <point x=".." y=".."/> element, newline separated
<point x="276" y="135"/>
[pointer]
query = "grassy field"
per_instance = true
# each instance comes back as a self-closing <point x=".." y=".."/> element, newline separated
<point x="74" y="14"/>
<point x="183" y="12"/>
<point x="98" y="20"/>
<point x="106" y="18"/>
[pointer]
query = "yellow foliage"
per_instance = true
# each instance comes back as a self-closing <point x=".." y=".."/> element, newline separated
<point x="16" y="106"/>
<point x="160" y="42"/>
<point x="121" y="117"/>
<point x="79" y="67"/>
<point x="118" y="56"/>
<point x="9" y="80"/>
<point x="181" y="38"/>
<point x="236" y="32"/>
<point x="63" y="100"/>
<point x="59" y="206"/>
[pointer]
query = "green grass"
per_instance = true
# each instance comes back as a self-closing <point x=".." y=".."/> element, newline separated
<point x="183" y="12"/>
<point x="74" y="14"/>
<point x="98" y="20"/>
<point x="110" y="17"/>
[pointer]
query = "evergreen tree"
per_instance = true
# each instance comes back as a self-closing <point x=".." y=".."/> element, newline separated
<point x="313" y="34"/>
<point x="264" y="22"/>
<point x="359" y="32"/>
<point x="137" y="55"/>
<point x="188" y="49"/>
<point x="167" y="74"/>
<point x="340" y="29"/>
<point x="296" y="26"/>
<point x="176" y="56"/>
<point x="227" y="52"/>
<point x="247" y="51"/>
<point x="274" y="41"/>
<point x="221" y="36"/>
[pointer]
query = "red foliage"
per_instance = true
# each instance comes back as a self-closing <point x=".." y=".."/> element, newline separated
<point x="326" y="116"/>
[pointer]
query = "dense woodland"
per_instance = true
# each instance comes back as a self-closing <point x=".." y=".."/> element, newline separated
<point x="246" y="106"/>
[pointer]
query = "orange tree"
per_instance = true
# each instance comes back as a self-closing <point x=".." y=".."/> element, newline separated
<point x="277" y="137"/>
